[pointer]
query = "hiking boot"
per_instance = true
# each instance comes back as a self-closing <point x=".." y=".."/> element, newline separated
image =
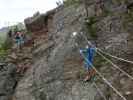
<point x="88" y="77"/>
<point x="91" y="75"/>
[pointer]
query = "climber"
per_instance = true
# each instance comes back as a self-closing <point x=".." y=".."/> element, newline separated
<point x="88" y="55"/>
<point x="19" y="39"/>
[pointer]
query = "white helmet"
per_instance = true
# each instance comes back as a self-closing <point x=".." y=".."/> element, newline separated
<point x="74" y="33"/>
<point x="87" y="47"/>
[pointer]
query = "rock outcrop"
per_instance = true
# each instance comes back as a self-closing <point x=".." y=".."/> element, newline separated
<point x="12" y="69"/>
<point x="39" y="21"/>
<point x="8" y="77"/>
<point x="57" y="70"/>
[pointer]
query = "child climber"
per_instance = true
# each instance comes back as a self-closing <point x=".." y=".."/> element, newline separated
<point x="88" y="55"/>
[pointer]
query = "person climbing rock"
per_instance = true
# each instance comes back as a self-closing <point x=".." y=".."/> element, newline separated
<point x="88" y="55"/>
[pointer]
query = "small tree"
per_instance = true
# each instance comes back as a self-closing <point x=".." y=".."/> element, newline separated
<point x="59" y="3"/>
<point x="7" y="44"/>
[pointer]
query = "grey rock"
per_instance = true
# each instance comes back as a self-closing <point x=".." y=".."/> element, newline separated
<point x="55" y="75"/>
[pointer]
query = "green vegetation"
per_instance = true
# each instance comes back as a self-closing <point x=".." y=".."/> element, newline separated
<point x="99" y="61"/>
<point x="120" y="1"/>
<point x="107" y="12"/>
<point x="3" y="53"/>
<point x="19" y="26"/>
<point x="91" y="27"/>
<point x="71" y="2"/>
<point x="4" y="47"/>
<point x="2" y="39"/>
<point x="128" y="19"/>
<point x="29" y="33"/>
<point x="5" y="41"/>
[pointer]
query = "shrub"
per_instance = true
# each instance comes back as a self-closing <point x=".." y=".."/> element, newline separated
<point x="99" y="61"/>
<point x="5" y="46"/>
<point x="71" y="2"/>
<point x="59" y="3"/>
<point x="91" y="27"/>
<point x="120" y="1"/>
<point x="128" y="20"/>
<point x="107" y="12"/>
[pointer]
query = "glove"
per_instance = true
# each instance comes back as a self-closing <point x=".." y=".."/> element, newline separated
<point x="80" y="51"/>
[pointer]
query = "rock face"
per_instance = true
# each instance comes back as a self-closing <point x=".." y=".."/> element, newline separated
<point x="57" y="71"/>
<point x="56" y="74"/>
<point x="39" y="21"/>
<point x="8" y="81"/>
<point x="12" y="69"/>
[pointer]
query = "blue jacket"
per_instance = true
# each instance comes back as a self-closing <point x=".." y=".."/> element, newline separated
<point x="88" y="55"/>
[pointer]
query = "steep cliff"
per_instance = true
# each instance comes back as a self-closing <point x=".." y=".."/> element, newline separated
<point x="57" y="71"/>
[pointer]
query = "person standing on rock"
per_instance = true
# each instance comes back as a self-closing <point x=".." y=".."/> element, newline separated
<point x="19" y="39"/>
<point x="88" y="55"/>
